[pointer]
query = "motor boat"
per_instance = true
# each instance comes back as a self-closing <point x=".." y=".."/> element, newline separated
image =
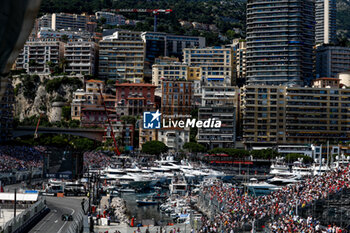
<point x="259" y="188"/>
<point x="178" y="185"/>
<point x="126" y="190"/>
<point x="284" y="180"/>
<point x="146" y="202"/>
<point x="279" y="168"/>
<point x="160" y="196"/>
<point x="319" y="169"/>
<point x="299" y="169"/>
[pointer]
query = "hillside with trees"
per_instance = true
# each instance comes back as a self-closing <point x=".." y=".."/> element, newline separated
<point x="227" y="18"/>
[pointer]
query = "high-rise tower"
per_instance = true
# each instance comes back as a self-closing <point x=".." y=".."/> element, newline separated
<point x="280" y="40"/>
<point x="326" y="28"/>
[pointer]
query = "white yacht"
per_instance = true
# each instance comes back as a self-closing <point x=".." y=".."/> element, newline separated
<point x="259" y="188"/>
<point x="284" y="180"/>
<point x="279" y="168"/>
<point x="112" y="173"/>
<point x="178" y="185"/>
<point x="319" y="169"/>
<point x="341" y="161"/>
<point x="300" y="169"/>
<point x="134" y="177"/>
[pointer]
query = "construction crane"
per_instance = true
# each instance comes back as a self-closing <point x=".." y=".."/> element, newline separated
<point x="37" y="126"/>
<point x="116" y="150"/>
<point x="155" y="12"/>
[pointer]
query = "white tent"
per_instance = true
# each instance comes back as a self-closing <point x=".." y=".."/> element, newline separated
<point x="20" y="196"/>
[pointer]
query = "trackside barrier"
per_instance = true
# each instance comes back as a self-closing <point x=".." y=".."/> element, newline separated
<point x="77" y="225"/>
<point x="23" y="220"/>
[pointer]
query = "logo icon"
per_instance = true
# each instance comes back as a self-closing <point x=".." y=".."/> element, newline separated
<point x="151" y="120"/>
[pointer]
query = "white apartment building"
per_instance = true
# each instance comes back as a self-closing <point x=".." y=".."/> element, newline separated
<point x="216" y="63"/>
<point x="174" y="138"/>
<point x="122" y="56"/>
<point x="81" y="57"/>
<point x="168" y="71"/>
<point x="36" y="55"/>
<point x="218" y="103"/>
<point x="111" y="18"/>
<point x="66" y="21"/>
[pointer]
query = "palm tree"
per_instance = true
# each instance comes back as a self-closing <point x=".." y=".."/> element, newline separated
<point x="63" y="64"/>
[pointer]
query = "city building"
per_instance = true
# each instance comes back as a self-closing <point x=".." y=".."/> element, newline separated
<point x="44" y="21"/>
<point x="326" y="82"/>
<point x="176" y="98"/>
<point x="122" y="56"/>
<point x="68" y="21"/>
<point x="81" y="57"/>
<point x="344" y="79"/>
<point x="87" y="105"/>
<point x="168" y="71"/>
<point x="218" y="103"/>
<point x="165" y="59"/>
<point x="6" y="109"/>
<point x="91" y="27"/>
<point x="312" y="150"/>
<point x="280" y="40"/>
<point x="124" y="134"/>
<point x="132" y="99"/>
<point x="295" y="149"/>
<point x="111" y="18"/>
<point x="147" y="135"/>
<point x="46" y="33"/>
<point x="38" y="54"/>
<point x="174" y="138"/>
<point x="331" y="60"/>
<point x="275" y="115"/>
<point x="240" y="48"/>
<point x="216" y="63"/>
<point x="194" y="73"/>
<point x="326" y="21"/>
<point x="163" y="44"/>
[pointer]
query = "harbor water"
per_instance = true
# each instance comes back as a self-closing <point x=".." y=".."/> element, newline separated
<point x="148" y="213"/>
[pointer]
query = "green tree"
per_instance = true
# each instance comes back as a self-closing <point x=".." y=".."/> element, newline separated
<point x="154" y="148"/>
<point x="66" y="113"/>
<point x="129" y="119"/>
<point x="264" y="154"/>
<point x="294" y="157"/>
<point x="29" y="86"/>
<point x="58" y="141"/>
<point x="64" y="38"/>
<point x="83" y="144"/>
<point x="74" y="124"/>
<point x="194" y="147"/>
<point x="194" y="130"/>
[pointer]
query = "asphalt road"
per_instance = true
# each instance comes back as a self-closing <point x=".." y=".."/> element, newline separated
<point x="52" y="222"/>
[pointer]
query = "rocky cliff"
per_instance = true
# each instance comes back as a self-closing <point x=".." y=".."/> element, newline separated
<point x="35" y="94"/>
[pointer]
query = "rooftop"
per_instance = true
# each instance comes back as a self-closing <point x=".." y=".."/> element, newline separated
<point x="326" y="78"/>
<point x="134" y="85"/>
<point x="94" y="81"/>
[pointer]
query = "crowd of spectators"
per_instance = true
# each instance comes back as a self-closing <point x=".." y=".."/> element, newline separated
<point x="20" y="158"/>
<point x="295" y="223"/>
<point x="96" y="159"/>
<point x="237" y="208"/>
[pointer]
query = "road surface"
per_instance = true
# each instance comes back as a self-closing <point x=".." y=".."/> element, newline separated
<point x="52" y="222"/>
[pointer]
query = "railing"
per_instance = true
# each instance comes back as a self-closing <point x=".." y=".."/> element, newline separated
<point x="22" y="220"/>
<point x="319" y="209"/>
<point x="78" y="223"/>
